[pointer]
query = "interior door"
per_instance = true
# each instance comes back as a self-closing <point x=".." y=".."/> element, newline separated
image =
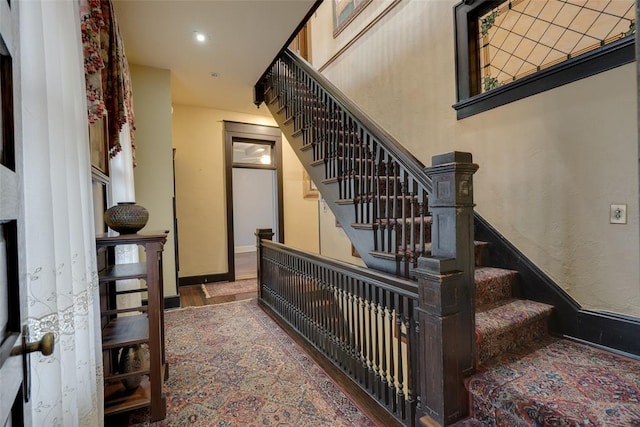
<point x="12" y="301"/>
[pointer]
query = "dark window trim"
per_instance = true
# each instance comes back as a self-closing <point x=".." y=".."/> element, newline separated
<point x="605" y="58"/>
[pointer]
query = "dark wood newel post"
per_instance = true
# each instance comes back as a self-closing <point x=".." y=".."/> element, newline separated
<point x="267" y="234"/>
<point x="446" y="312"/>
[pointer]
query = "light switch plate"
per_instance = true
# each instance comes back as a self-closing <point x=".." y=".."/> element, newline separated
<point x="618" y="214"/>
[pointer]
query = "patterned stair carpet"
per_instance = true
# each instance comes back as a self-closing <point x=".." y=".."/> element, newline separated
<point x="231" y="365"/>
<point x="557" y="383"/>
<point x="527" y="378"/>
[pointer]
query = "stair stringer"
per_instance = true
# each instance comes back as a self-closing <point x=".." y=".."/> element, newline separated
<point x="362" y="239"/>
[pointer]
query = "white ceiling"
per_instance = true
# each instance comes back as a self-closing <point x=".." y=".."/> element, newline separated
<point x="243" y="38"/>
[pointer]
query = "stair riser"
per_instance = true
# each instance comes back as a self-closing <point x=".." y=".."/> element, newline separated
<point x="489" y="416"/>
<point x="494" y="289"/>
<point x="520" y="337"/>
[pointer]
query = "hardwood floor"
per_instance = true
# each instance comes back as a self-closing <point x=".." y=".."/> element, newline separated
<point x="245" y="264"/>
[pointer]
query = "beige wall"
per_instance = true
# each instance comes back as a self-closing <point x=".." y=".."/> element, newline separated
<point x="198" y="135"/>
<point x="550" y="164"/>
<point x="154" y="174"/>
<point x="301" y="215"/>
<point x="334" y="243"/>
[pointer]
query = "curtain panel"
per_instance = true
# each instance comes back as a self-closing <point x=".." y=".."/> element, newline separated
<point x="62" y="284"/>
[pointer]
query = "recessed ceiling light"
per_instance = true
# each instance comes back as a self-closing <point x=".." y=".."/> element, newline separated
<point x="201" y="38"/>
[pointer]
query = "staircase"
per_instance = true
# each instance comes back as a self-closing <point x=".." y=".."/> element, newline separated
<point x="378" y="192"/>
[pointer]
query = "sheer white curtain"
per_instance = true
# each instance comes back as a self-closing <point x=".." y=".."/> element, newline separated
<point x="62" y="296"/>
<point x="123" y="190"/>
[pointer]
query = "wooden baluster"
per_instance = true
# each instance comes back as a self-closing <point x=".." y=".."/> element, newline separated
<point x="343" y="322"/>
<point x="378" y="232"/>
<point x="368" y="308"/>
<point x="389" y="201"/>
<point x="403" y="222"/>
<point x="314" y="301"/>
<point x="412" y="383"/>
<point x="360" y="187"/>
<point x="400" y="325"/>
<point x="344" y="319"/>
<point x="387" y="346"/>
<point x="361" y="347"/>
<point x="349" y="159"/>
<point x="375" y="335"/>
<point x="320" y="305"/>
<point x="396" y="352"/>
<point x="302" y="296"/>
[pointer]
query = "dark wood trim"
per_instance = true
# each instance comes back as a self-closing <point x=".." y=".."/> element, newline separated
<point x="228" y="174"/>
<point x="251" y="132"/>
<point x="206" y="278"/>
<point x="613" y="331"/>
<point x="358" y="36"/>
<point x="258" y="93"/>
<point x="170" y="302"/>
<point x="469" y="102"/>
<point x="8" y="132"/>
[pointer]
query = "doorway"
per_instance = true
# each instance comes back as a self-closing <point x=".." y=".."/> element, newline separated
<point x="254" y="192"/>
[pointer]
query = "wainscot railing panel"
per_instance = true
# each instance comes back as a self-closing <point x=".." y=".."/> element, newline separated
<point x="363" y="321"/>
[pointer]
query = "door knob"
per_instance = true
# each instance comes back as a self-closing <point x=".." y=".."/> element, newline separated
<point x="45" y="345"/>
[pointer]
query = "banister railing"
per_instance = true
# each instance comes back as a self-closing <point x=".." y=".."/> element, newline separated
<point x="421" y="222"/>
<point x="363" y="321"/>
<point x="386" y="183"/>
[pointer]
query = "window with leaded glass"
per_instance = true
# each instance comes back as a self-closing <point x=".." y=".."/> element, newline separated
<point x="507" y="50"/>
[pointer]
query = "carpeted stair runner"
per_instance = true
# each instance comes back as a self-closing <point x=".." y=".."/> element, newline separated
<point x="527" y="378"/>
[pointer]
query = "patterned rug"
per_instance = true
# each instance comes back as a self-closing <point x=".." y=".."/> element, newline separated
<point x="558" y="383"/>
<point x="231" y="365"/>
<point x="213" y="290"/>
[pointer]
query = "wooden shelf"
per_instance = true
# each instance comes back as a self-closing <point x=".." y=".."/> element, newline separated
<point x="136" y="270"/>
<point x="118" y="399"/>
<point x="123" y="331"/>
<point x="103" y="240"/>
<point x="145" y="326"/>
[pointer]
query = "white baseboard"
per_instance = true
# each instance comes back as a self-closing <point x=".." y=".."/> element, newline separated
<point x="243" y="249"/>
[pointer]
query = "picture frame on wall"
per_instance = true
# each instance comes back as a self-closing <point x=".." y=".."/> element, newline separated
<point x="345" y="11"/>
<point x="99" y="151"/>
<point x="309" y="189"/>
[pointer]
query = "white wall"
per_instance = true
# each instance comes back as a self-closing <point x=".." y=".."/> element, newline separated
<point x="550" y="164"/>
<point x="253" y="205"/>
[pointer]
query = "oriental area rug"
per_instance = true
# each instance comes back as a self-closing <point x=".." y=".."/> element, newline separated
<point x="231" y="365"/>
<point x="238" y="288"/>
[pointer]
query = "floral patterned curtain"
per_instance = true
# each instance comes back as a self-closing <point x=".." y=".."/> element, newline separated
<point x="106" y="71"/>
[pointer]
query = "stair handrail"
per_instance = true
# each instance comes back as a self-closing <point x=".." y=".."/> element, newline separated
<point x="382" y="280"/>
<point x="401" y="154"/>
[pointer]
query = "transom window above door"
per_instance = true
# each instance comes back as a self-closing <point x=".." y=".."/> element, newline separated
<point x="504" y="45"/>
<point x="252" y="153"/>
